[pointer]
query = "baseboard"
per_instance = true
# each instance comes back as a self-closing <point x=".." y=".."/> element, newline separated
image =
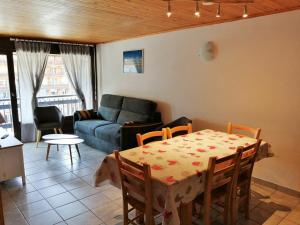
<point x="277" y="187"/>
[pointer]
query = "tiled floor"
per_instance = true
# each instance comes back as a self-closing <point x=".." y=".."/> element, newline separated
<point x="58" y="193"/>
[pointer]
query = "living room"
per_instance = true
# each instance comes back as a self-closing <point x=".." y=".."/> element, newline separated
<point x="139" y="67"/>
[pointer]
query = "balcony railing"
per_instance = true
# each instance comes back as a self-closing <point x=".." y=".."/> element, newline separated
<point x="68" y="104"/>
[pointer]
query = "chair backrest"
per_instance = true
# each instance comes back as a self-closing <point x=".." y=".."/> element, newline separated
<point x="47" y="114"/>
<point x="142" y="137"/>
<point x="136" y="182"/>
<point x="186" y="128"/>
<point x="249" y="155"/>
<point x="254" y="131"/>
<point x="222" y="171"/>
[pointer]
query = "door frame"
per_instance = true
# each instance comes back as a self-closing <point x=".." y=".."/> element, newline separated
<point x="7" y="48"/>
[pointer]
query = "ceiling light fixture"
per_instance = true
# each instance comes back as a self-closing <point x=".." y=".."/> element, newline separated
<point x="169" y="12"/>
<point x="245" y="14"/>
<point x="219" y="11"/>
<point x="197" y="10"/>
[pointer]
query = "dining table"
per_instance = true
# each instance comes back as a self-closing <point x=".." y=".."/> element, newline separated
<point x="178" y="167"/>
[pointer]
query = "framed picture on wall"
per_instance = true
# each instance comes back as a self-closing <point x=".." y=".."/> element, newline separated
<point x="133" y="61"/>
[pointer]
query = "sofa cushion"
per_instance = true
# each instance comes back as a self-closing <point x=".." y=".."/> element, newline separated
<point x="109" y="133"/>
<point x="110" y="107"/>
<point x="127" y="116"/>
<point x="109" y="114"/>
<point x="89" y="126"/>
<point x="140" y="106"/>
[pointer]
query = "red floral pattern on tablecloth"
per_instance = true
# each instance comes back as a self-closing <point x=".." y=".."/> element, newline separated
<point x="177" y="166"/>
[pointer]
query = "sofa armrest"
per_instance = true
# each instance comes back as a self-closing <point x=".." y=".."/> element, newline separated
<point x="129" y="131"/>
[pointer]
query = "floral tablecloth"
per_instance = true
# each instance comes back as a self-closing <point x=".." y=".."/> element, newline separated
<point x="178" y="166"/>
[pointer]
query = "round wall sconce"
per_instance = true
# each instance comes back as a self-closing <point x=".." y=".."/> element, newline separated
<point x="208" y="51"/>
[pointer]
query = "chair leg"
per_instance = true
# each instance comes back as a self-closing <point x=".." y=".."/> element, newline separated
<point x="55" y="131"/>
<point x="247" y="205"/>
<point x="60" y="130"/>
<point x="125" y="212"/>
<point x="38" y="137"/>
<point x="234" y="210"/>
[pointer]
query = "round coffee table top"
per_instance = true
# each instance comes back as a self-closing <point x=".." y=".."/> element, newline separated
<point x="70" y="141"/>
<point x="59" y="136"/>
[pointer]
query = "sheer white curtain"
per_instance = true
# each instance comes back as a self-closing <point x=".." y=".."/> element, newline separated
<point x="32" y="61"/>
<point x="77" y="62"/>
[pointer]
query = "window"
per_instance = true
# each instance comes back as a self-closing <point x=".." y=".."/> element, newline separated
<point x="56" y="88"/>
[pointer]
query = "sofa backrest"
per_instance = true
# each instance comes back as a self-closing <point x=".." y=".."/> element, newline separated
<point x="137" y="110"/>
<point x="120" y="109"/>
<point x="110" y="107"/>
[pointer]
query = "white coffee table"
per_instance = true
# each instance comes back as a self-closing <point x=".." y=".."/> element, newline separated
<point x="59" y="136"/>
<point x="69" y="142"/>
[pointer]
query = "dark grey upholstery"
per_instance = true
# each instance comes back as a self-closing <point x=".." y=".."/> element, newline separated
<point x="89" y="126"/>
<point x="112" y="130"/>
<point x="48" y="117"/>
<point x="109" y="133"/>
<point x="110" y="107"/>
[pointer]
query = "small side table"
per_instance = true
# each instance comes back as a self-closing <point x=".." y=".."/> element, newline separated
<point x="69" y="142"/>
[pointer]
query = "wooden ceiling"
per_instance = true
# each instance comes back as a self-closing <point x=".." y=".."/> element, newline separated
<point x="98" y="21"/>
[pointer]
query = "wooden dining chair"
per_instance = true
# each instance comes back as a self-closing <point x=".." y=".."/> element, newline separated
<point x="254" y="131"/>
<point x="185" y="128"/>
<point x="220" y="179"/>
<point x="136" y="190"/>
<point x="153" y="134"/>
<point x="242" y="193"/>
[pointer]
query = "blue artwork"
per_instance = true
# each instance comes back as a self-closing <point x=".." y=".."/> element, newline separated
<point x="133" y="61"/>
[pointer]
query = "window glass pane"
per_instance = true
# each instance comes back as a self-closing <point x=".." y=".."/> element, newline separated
<point x="5" y="103"/>
<point x="56" y="88"/>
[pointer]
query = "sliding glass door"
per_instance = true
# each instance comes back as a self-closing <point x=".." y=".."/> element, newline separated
<point x="5" y="96"/>
<point x="8" y="97"/>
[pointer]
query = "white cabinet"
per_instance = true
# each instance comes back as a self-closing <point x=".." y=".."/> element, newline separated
<point x="11" y="159"/>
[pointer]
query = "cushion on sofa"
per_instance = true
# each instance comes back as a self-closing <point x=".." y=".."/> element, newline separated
<point x="127" y="116"/>
<point x="109" y="133"/>
<point x="140" y="106"/>
<point x="110" y="107"/>
<point x="89" y="126"/>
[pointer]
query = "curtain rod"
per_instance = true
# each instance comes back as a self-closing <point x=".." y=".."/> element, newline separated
<point x="50" y="42"/>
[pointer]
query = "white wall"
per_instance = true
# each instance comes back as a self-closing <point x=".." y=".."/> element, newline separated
<point x="254" y="80"/>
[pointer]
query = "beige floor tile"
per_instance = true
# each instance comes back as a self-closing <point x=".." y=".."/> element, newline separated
<point x="288" y="222"/>
<point x="73" y="184"/>
<point x="83" y="192"/>
<point x="44" y="183"/>
<point x="112" y="193"/>
<point x="114" y="217"/>
<point x="21" y="198"/>
<point x="14" y="217"/>
<point x="52" y="191"/>
<point x="71" y="210"/>
<point x="294" y="216"/>
<point x="105" y="211"/>
<point x="273" y="220"/>
<point x="285" y="199"/>
<point x="61" y="199"/>
<point x="29" y="210"/>
<point x="87" y="218"/>
<point x="263" y="191"/>
<point x="83" y="172"/>
<point x="95" y="201"/>
<point x="46" y="218"/>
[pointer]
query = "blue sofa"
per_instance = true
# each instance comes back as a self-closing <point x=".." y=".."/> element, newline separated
<point x="116" y="123"/>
